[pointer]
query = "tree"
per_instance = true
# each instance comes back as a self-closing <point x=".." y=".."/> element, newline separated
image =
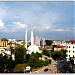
<point x="1" y="58"/>
<point x="34" y="61"/>
<point x="4" y="39"/>
<point x="46" y="52"/>
<point x="59" y="54"/>
<point x="19" y="68"/>
<point x="46" y="62"/>
<point x="20" y="54"/>
<point x="48" y="42"/>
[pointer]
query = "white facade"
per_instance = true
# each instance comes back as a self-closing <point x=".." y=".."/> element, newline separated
<point x="13" y="56"/>
<point x="56" y="42"/>
<point x="70" y="50"/>
<point x="33" y="48"/>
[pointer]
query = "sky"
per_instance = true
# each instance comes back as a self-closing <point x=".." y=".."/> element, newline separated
<point x="50" y="20"/>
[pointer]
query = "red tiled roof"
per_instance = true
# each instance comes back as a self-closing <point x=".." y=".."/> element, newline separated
<point x="71" y="41"/>
<point x="59" y="46"/>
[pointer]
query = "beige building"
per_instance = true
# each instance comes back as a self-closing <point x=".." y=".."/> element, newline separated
<point x="3" y="43"/>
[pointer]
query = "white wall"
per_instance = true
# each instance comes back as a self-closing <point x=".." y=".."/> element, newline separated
<point x="70" y="50"/>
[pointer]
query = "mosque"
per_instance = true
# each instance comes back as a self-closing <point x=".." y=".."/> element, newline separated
<point x="32" y="48"/>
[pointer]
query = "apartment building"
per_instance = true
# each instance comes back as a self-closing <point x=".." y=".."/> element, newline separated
<point x="70" y="49"/>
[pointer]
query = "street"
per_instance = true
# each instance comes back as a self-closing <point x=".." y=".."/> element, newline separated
<point x="55" y="67"/>
<point x="51" y="68"/>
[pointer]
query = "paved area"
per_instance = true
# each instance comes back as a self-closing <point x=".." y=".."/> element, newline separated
<point x="51" y="68"/>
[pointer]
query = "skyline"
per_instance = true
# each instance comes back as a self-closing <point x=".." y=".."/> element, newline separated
<point x="52" y="20"/>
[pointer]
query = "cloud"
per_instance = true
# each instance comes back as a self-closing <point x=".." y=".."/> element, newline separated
<point x="3" y="11"/>
<point x="2" y="26"/>
<point x="43" y="17"/>
<point x="1" y="23"/>
<point x="42" y="27"/>
<point x="61" y="30"/>
<point x="18" y="26"/>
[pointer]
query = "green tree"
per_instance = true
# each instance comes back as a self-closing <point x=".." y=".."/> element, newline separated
<point x="20" y="54"/>
<point x="46" y="52"/>
<point x="59" y="54"/>
<point x="48" y="42"/>
<point x="34" y="61"/>
<point x="46" y="62"/>
<point x="4" y="39"/>
<point x="1" y="64"/>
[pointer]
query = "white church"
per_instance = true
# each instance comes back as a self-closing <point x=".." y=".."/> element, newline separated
<point x="32" y="48"/>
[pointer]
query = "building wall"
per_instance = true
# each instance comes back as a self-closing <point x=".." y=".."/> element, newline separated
<point x="3" y="43"/>
<point x="57" y="49"/>
<point x="39" y="41"/>
<point x="70" y="50"/>
<point x="56" y="42"/>
<point x="42" y="41"/>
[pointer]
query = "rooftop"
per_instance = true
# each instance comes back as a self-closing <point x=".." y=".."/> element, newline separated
<point x="71" y="41"/>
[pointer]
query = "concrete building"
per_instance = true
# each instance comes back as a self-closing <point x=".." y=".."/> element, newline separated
<point x="42" y="42"/>
<point x="39" y="41"/>
<point x="11" y="40"/>
<point x="70" y="49"/>
<point x="56" y="42"/>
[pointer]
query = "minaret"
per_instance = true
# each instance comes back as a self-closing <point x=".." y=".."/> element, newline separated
<point x="32" y="39"/>
<point x="26" y="38"/>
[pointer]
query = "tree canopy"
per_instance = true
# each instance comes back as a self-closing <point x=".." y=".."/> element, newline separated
<point x="4" y="39"/>
<point x="59" y="54"/>
<point x="20" y="54"/>
<point x="34" y="60"/>
<point x="48" y="42"/>
<point x="46" y="52"/>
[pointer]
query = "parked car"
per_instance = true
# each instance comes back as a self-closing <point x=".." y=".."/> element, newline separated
<point x="54" y="64"/>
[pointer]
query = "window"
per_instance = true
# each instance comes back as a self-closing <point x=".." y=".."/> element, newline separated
<point x="73" y="55"/>
<point x="69" y="51"/>
<point x="73" y="51"/>
<point x="69" y="46"/>
<point x="69" y="55"/>
<point x="73" y="46"/>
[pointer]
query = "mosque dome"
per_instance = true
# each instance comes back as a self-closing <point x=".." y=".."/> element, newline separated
<point x="34" y="49"/>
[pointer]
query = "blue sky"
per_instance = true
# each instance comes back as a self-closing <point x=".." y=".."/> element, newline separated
<point x="52" y="20"/>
